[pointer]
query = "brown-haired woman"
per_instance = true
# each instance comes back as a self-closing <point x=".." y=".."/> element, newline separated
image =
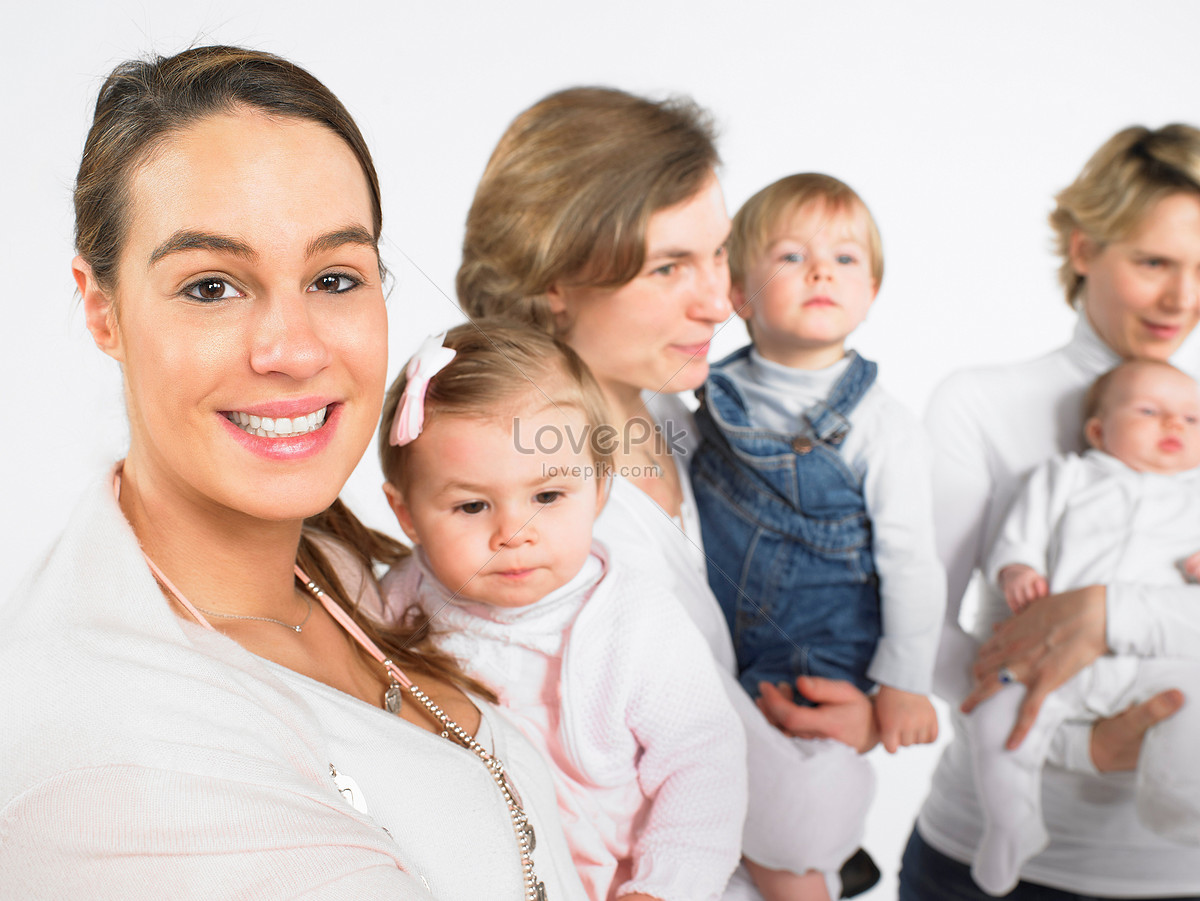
<point x="1128" y="231"/>
<point x="600" y="218"/>
<point x="199" y="704"/>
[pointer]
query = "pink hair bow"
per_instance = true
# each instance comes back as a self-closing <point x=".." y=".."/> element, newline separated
<point x="430" y="359"/>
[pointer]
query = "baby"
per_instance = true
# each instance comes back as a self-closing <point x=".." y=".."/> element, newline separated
<point x="494" y="447"/>
<point x="1128" y="510"/>
<point x="813" y="483"/>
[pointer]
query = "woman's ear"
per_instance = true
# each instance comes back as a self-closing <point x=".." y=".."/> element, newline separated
<point x="1093" y="431"/>
<point x="1080" y="250"/>
<point x="396" y="501"/>
<point x="98" y="310"/>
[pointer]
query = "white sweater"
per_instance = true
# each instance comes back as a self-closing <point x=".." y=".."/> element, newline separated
<point x="1091" y="520"/>
<point x="888" y="450"/>
<point x="609" y="679"/>
<point x="807" y="800"/>
<point x="145" y="757"/>
<point x="991" y="428"/>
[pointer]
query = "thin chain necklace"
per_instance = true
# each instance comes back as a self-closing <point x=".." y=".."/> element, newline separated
<point x="264" y="619"/>
<point x="535" y="889"/>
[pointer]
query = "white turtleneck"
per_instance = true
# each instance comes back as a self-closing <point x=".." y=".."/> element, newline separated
<point x="991" y="427"/>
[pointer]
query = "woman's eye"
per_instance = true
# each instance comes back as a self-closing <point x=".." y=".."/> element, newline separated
<point x="211" y="289"/>
<point x="334" y="283"/>
<point x="473" y="507"/>
<point x="665" y="269"/>
<point x="547" y="497"/>
<point x="1153" y="262"/>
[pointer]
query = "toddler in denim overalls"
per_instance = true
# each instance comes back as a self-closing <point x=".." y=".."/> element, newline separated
<point x="812" y="484"/>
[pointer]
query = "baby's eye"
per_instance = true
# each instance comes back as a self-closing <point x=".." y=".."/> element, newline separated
<point x="847" y="259"/>
<point x="334" y="283"/>
<point x="796" y="257"/>
<point x="547" y="497"/>
<point x="1147" y="411"/>
<point x="472" y="507"/>
<point x="1191" y="420"/>
<point x="211" y="289"/>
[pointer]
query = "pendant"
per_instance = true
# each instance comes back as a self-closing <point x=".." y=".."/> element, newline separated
<point x="393" y="698"/>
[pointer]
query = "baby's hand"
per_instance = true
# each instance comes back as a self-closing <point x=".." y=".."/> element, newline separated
<point x="904" y="718"/>
<point x="1191" y="566"/>
<point x="1023" y="584"/>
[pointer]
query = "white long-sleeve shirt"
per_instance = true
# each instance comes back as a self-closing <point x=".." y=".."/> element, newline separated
<point x="1091" y="520"/>
<point x="610" y="680"/>
<point x="990" y="428"/>
<point x="145" y="757"/>
<point x="808" y="799"/>
<point x="887" y="448"/>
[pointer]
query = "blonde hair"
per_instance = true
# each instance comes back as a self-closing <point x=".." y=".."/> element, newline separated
<point x="761" y="215"/>
<point x="1130" y="173"/>
<point x="495" y="363"/>
<point x="568" y="192"/>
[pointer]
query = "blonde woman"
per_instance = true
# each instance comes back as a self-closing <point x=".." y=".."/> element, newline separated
<point x="1128" y="231"/>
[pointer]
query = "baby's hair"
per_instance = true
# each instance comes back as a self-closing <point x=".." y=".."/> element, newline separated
<point x="762" y="214"/>
<point x="1096" y="400"/>
<point x="496" y="362"/>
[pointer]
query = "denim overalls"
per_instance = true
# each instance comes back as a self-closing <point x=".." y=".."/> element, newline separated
<point x="787" y="536"/>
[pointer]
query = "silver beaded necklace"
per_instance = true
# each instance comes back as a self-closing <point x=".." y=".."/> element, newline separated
<point x="535" y="889"/>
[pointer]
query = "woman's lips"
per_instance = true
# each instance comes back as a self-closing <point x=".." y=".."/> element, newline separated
<point x="273" y="445"/>
<point x="693" y="350"/>
<point x="1161" y="332"/>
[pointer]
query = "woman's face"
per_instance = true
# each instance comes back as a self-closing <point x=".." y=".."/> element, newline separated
<point x="1142" y="294"/>
<point x="652" y="333"/>
<point x="249" y="317"/>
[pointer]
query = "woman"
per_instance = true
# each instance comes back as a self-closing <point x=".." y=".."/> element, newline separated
<point x="600" y="218"/>
<point x="196" y="705"/>
<point x="1128" y="231"/>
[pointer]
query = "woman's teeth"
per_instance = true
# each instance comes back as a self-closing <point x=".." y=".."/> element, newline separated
<point x="280" y="427"/>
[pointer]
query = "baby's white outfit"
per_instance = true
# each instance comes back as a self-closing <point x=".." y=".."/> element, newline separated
<point x="1088" y="520"/>
<point x="610" y="680"/>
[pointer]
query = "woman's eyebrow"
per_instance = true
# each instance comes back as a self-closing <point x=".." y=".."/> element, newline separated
<point x="194" y="240"/>
<point x="352" y="234"/>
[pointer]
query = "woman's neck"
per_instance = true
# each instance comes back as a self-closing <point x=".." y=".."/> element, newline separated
<point x="218" y="558"/>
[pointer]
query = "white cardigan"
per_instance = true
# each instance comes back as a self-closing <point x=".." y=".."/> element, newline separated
<point x="648" y="756"/>
<point x="991" y="427"/>
<point x="144" y="757"/>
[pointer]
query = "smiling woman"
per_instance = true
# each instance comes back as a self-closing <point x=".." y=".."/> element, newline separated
<point x="228" y="219"/>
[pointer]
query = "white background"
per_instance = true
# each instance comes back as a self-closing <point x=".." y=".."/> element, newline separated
<point x="956" y="122"/>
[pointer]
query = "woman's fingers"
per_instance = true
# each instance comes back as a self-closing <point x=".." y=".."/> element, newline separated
<point x="1117" y="741"/>
<point x="842" y="713"/>
<point x="1043" y="646"/>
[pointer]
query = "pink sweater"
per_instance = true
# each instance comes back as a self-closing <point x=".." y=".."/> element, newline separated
<point x="614" y="684"/>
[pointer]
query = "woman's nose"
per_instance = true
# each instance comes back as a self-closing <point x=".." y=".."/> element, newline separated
<point x="286" y="338"/>
<point x="712" y="303"/>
